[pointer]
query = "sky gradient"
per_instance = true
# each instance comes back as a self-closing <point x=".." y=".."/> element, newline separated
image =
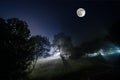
<point x="48" y="17"/>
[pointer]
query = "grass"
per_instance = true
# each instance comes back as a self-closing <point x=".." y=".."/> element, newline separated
<point x="82" y="69"/>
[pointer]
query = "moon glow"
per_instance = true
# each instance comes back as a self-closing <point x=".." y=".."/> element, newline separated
<point x="81" y="12"/>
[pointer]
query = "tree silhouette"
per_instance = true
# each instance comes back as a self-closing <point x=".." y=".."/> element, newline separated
<point x="77" y="52"/>
<point x="90" y="47"/>
<point x="93" y="45"/>
<point x="40" y="46"/>
<point x="114" y="33"/>
<point x="17" y="49"/>
<point x="114" y="36"/>
<point x="63" y="44"/>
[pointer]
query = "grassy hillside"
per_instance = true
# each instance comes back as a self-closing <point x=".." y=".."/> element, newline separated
<point x="82" y="69"/>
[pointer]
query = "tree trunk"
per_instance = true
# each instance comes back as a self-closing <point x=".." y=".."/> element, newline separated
<point x="64" y="60"/>
<point x="34" y="64"/>
<point x="62" y="57"/>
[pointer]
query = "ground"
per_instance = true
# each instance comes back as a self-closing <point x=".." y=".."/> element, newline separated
<point x="81" y="69"/>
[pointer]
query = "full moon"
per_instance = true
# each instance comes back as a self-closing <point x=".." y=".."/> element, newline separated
<point x="81" y="12"/>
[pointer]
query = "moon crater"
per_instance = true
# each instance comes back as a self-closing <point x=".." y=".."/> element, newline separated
<point x="81" y="12"/>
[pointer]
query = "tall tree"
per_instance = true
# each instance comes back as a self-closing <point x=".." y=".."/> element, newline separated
<point x="63" y="44"/>
<point x="15" y="55"/>
<point x="40" y="46"/>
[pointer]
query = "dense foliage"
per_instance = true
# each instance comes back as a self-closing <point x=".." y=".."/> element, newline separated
<point x="17" y="49"/>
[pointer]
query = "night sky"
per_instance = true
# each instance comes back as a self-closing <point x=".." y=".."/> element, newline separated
<point x="48" y="17"/>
